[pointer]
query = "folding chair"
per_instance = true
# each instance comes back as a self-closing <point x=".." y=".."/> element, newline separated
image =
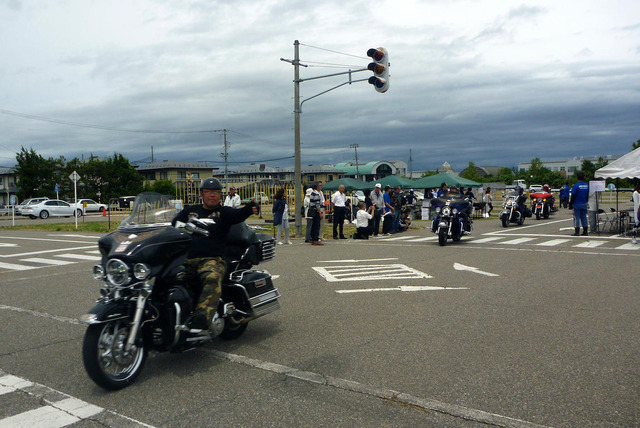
<point x="604" y="218"/>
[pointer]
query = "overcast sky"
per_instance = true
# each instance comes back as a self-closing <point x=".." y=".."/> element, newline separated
<point x="493" y="82"/>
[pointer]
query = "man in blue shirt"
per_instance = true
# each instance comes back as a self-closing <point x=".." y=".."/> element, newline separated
<point x="565" y="192"/>
<point x="579" y="198"/>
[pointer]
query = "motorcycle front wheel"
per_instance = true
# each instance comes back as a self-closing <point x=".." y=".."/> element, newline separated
<point x="442" y="237"/>
<point x="104" y="356"/>
<point x="505" y="221"/>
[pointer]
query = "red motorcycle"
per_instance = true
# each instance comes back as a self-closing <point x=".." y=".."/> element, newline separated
<point x="542" y="204"/>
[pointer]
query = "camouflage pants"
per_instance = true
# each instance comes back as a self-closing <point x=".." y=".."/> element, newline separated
<point x="209" y="271"/>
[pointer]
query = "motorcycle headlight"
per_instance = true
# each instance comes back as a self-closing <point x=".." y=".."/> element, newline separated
<point x="438" y="210"/>
<point x="446" y="211"/>
<point x="117" y="272"/>
<point x="455" y="211"/>
<point x="141" y="271"/>
<point x="98" y="272"/>
<point x="544" y="200"/>
<point x="509" y="203"/>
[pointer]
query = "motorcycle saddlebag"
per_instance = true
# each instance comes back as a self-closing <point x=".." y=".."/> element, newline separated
<point x="260" y="292"/>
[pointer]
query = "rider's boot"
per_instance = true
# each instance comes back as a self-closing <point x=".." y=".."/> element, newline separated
<point x="584" y="232"/>
<point x="577" y="232"/>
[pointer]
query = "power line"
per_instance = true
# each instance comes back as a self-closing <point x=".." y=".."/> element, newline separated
<point x="105" y="128"/>
<point x="337" y="52"/>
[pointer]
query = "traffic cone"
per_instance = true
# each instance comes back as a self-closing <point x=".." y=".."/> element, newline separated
<point x="104" y="213"/>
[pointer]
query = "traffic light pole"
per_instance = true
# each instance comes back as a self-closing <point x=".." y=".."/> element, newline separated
<point x="297" y="105"/>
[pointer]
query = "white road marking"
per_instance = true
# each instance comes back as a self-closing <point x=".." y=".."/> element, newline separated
<point x="628" y="246"/>
<point x="428" y="238"/>
<point x="519" y="228"/>
<point x="13" y="266"/>
<point x="46" y="417"/>
<point x="33" y="253"/>
<point x="399" y="238"/>
<point x="458" y="266"/>
<point x="492" y="238"/>
<point x="77" y="236"/>
<point x="565" y="228"/>
<point x="79" y="257"/>
<point x="47" y="261"/>
<point x="357" y="261"/>
<point x="6" y="244"/>
<point x="553" y="242"/>
<point x="41" y="239"/>
<point x="518" y="241"/>
<point x="78" y="408"/>
<point x="400" y="288"/>
<point x="369" y="272"/>
<point x="590" y="244"/>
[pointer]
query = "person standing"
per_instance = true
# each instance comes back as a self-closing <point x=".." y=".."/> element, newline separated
<point x="488" y="200"/>
<point x="443" y="190"/>
<point x="232" y="199"/>
<point x="377" y="199"/>
<point x="323" y="205"/>
<point x="316" y="213"/>
<point x="636" y="212"/>
<point x="387" y="211"/>
<point x="307" y="215"/>
<point x="565" y="192"/>
<point x="281" y="217"/>
<point x="338" y="202"/>
<point x="397" y="202"/>
<point x="578" y="202"/>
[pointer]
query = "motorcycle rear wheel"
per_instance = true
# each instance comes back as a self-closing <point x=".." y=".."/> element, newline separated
<point x="105" y="359"/>
<point x="442" y="237"/>
<point x="232" y="331"/>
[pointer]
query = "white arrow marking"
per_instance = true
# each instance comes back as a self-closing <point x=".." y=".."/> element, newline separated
<point x="401" y="288"/>
<point x="458" y="266"/>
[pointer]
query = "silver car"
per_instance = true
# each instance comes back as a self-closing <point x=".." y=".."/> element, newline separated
<point x="18" y="209"/>
<point x="51" y="208"/>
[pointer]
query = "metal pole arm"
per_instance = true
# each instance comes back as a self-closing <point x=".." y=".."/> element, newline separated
<point x="329" y="90"/>
<point x="333" y="75"/>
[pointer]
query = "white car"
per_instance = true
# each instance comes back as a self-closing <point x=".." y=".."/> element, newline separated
<point x="91" y="206"/>
<point x="51" y="208"/>
<point x="535" y="188"/>
<point x="18" y="209"/>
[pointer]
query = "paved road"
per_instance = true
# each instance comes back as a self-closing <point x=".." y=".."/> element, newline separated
<point x="512" y="327"/>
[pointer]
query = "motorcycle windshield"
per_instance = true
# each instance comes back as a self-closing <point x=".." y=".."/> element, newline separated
<point x="151" y="209"/>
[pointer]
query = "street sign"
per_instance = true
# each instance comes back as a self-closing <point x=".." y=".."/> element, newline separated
<point x="74" y="176"/>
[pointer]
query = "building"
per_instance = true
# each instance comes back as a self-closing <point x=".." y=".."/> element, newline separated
<point x="567" y="167"/>
<point x="260" y="173"/>
<point x="8" y="186"/>
<point x="484" y="171"/>
<point x="369" y="171"/>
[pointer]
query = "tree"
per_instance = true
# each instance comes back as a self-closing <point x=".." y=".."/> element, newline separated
<point x="471" y="172"/>
<point x="164" y="187"/>
<point x="505" y="175"/>
<point x="428" y="173"/>
<point x="38" y="176"/>
<point x="636" y="145"/>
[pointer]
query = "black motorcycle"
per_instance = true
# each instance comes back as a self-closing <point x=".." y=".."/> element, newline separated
<point x="452" y="219"/>
<point x="146" y="300"/>
<point x="513" y="210"/>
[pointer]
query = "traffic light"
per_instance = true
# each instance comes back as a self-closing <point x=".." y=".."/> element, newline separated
<point x="380" y="68"/>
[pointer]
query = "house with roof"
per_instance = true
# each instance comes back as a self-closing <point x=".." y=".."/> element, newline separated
<point x="368" y="171"/>
<point x="8" y="187"/>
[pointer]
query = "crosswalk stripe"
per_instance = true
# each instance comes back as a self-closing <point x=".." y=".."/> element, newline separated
<point x="628" y="247"/>
<point x="6" y="389"/>
<point x="46" y="417"/>
<point x="13" y="266"/>
<point x="78" y="408"/>
<point x="79" y="257"/>
<point x="46" y="261"/>
<point x="590" y="244"/>
<point x="428" y="238"/>
<point x="518" y="241"/>
<point x="553" y="242"/>
<point x="490" y="239"/>
<point x="93" y="252"/>
<point x="399" y="238"/>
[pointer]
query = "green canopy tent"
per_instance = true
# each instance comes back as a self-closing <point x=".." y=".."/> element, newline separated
<point x="434" y="181"/>
<point x="350" y="184"/>
<point x="393" y="181"/>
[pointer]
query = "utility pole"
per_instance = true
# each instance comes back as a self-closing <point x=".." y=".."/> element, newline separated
<point x="225" y="155"/>
<point x="355" y="147"/>
<point x="410" y="165"/>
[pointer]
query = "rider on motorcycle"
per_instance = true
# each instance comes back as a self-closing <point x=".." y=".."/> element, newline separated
<point x="455" y="193"/>
<point x="204" y="259"/>
<point x="521" y="201"/>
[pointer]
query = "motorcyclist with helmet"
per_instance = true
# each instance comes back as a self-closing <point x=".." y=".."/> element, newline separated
<point x="521" y="200"/>
<point x="465" y="209"/>
<point x="205" y="258"/>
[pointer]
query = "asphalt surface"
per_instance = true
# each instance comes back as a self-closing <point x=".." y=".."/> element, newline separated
<point x="520" y="326"/>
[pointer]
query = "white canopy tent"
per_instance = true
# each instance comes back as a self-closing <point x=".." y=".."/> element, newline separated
<point x="627" y="166"/>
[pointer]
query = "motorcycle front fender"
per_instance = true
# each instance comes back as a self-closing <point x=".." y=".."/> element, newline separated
<point x="104" y="312"/>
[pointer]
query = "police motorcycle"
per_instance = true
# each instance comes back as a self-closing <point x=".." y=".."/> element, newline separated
<point x="449" y="221"/>
<point x="510" y="212"/>
<point x="145" y="300"/>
